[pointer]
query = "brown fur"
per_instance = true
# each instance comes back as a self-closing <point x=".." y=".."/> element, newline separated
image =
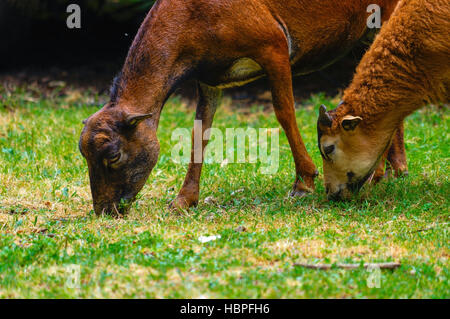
<point x="407" y="67"/>
<point x="204" y="39"/>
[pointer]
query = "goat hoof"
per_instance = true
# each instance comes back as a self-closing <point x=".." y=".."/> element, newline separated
<point x="299" y="193"/>
<point x="181" y="204"/>
<point x="402" y="174"/>
<point x="178" y="206"/>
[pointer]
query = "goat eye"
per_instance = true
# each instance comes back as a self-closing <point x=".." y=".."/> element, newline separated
<point x="115" y="158"/>
<point x="329" y="149"/>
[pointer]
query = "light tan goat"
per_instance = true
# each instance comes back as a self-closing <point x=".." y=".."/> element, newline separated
<point x="407" y="67"/>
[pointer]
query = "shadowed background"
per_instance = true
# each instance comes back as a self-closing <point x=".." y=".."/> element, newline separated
<point x="38" y="48"/>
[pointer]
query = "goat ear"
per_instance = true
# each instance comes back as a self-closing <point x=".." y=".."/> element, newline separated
<point x="325" y="118"/>
<point x="133" y="120"/>
<point x="86" y="120"/>
<point x="350" y="122"/>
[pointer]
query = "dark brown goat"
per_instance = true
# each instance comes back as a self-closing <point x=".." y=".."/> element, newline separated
<point x="220" y="44"/>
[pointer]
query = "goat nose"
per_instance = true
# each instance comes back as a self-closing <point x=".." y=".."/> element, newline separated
<point x="335" y="196"/>
<point x="328" y="149"/>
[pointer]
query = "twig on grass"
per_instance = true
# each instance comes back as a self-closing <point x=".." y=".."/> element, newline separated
<point x="428" y="228"/>
<point x="349" y="266"/>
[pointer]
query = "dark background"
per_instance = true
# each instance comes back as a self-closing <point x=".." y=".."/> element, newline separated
<point x="37" y="47"/>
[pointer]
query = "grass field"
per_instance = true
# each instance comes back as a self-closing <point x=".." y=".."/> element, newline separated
<point x="48" y="232"/>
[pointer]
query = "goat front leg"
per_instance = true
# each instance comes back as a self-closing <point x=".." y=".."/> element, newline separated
<point x="209" y="100"/>
<point x="275" y="62"/>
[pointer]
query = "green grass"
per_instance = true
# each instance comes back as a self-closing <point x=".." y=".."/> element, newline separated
<point x="47" y="225"/>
